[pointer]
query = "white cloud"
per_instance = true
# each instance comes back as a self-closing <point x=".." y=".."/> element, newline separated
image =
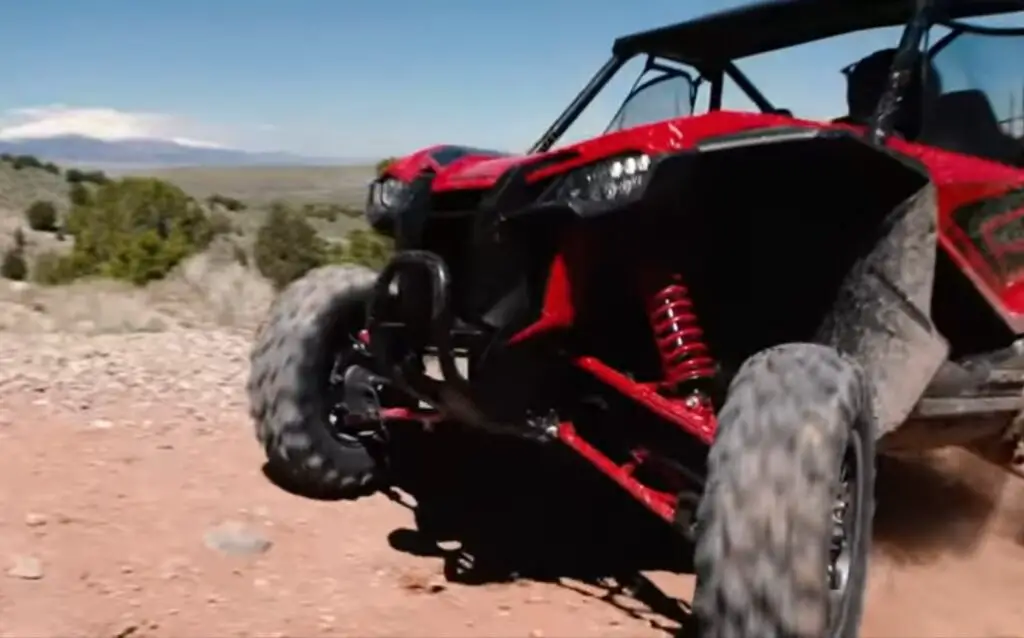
<point x="101" y="123"/>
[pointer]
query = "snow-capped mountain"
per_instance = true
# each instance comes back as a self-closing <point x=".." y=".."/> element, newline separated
<point x="146" y="152"/>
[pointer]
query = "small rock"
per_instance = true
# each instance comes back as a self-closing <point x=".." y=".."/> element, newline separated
<point x="537" y="633"/>
<point x="101" y="424"/>
<point x="421" y="582"/>
<point x="34" y="519"/>
<point x="25" y="568"/>
<point x="235" y="538"/>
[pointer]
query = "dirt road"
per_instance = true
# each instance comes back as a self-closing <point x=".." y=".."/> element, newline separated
<point x="132" y="503"/>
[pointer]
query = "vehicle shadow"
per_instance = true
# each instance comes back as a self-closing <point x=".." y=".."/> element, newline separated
<point x="501" y="510"/>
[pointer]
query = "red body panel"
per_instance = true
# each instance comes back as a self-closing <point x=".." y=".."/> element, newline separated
<point x="960" y="179"/>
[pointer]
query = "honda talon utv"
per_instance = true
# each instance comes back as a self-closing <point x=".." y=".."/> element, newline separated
<point x="728" y="311"/>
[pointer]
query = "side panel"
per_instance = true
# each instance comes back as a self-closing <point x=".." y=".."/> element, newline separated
<point x="881" y="317"/>
<point x="983" y="233"/>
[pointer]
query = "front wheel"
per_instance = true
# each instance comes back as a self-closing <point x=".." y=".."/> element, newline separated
<point x="311" y="328"/>
<point x="783" y="529"/>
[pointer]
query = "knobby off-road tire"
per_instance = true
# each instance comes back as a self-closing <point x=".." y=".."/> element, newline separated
<point x="289" y="388"/>
<point x="794" y="417"/>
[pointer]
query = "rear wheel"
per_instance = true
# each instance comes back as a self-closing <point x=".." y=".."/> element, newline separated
<point x="783" y="529"/>
<point x="312" y="330"/>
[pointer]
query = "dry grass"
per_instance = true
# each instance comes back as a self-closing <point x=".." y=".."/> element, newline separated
<point x="19" y="188"/>
<point x="210" y="290"/>
<point x="259" y="185"/>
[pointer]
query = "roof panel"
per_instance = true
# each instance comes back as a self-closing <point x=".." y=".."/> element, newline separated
<point x="768" y="25"/>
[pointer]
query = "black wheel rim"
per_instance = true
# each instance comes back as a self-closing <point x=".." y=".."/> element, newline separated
<point x="846" y="543"/>
<point x="352" y="352"/>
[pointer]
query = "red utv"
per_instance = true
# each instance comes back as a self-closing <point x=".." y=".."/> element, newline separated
<point x="728" y="313"/>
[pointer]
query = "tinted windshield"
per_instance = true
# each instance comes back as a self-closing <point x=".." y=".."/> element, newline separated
<point x="980" y="107"/>
<point x="659" y="94"/>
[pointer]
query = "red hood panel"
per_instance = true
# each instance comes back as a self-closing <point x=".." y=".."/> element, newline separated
<point x="474" y="169"/>
<point x="481" y="171"/>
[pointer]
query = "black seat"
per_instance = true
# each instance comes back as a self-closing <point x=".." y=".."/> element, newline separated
<point x="964" y="122"/>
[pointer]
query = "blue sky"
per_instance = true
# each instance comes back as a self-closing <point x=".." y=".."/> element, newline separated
<point x="356" y="78"/>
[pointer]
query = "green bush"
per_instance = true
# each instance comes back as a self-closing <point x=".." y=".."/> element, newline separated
<point x="287" y="246"/>
<point x="12" y="265"/>
<point x="366" y="248"/>
<point x="42" y="215"/>
<point x="136" y="229"/>
<point x="25" y="161"/>
<point x="77" y="176"/>
<point x="79" y="194"/>
<point x="52" y="168"/>
<point x="383" y="165"/>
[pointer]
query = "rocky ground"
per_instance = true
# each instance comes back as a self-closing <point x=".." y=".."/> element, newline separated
<point x="132" y="504"/>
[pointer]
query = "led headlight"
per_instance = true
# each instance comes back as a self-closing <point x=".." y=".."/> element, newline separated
<point x="387" y="193"/>
<point x="607" y="180"/>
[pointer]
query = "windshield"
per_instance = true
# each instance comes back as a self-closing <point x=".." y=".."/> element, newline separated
<point x="658" y="94"/>
<point x="979" y="106"/>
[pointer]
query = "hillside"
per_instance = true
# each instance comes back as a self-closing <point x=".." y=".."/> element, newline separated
<point x="21" y="187"/>
<point x="91" y="151"/>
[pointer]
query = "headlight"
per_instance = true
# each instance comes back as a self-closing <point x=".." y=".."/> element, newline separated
<point x="388" y="193"/>
<point x="607" y="180"/>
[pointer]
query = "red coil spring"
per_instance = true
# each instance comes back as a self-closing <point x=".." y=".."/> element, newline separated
<point x="685" y="356"/>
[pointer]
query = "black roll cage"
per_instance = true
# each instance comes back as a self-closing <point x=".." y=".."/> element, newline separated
<point x="715" y="72"/>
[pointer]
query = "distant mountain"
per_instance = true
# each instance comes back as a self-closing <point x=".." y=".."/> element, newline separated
<point x="137" y="153"/>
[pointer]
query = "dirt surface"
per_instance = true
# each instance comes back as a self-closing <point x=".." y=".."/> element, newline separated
<point x="132" y="503"/>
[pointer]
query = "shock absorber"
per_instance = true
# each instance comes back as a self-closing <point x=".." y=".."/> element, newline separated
<point x="686" y="361"/>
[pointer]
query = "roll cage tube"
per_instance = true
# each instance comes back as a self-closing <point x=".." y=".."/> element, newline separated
<point x="881" y="125"/>
<point x="957" y="29"/>
<point x="582" y="101"/>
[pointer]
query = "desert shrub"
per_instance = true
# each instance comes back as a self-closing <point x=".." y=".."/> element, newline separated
<point x="77" y="176"/>
<point x="25" y="161"/>
<point x="42" y="215"/>
<point x="287" y="246"/>
<point x="240" y="256"/>
<point x="52" y="168"/>
<point x="326" y="212"/>
<point x="51" y="269"/>
<point x="79" y="194"/>
<point x="136" y="229"/>
<point x="230" y="203"/>
<point x="12" y="265"/>
<point x="19" y="239"/>
<point x="383" y="164"/>
<point x="366" y="248"/>
<point x="221" y="224"/>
